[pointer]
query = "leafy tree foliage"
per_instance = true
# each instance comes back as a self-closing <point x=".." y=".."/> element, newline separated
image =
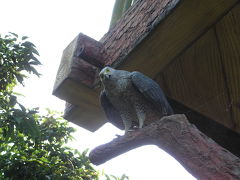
<point x="112" y="177"/>
<point x="44" y="157"/>
<point x="17" y="57"/>
<point x="32" y="146"/>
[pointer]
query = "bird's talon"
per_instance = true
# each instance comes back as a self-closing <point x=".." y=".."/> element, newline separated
<point x="117" y="135"/>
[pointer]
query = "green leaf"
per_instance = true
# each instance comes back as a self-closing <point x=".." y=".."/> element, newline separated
<point x="35" y="59"/>
<point x="18" y="119"/>
<point x="34" y="71"/>
<point x="18" y="113"/>
<point x="22" y="107"/>
<point x="19" y="78"/>
<point x="18" y="94"/>
<point x="35" y="51"/>
<point x="14" y="34"/>
<point x="33" y="111"/>
<point x="4" y="132"/>
<point x="28" y="44"/>
<point x="30" y="125"/>
<point x="35" y="63"/>
<point x="10" y="130"/>
<point x="24" y="38"/>
<point x="13" y="101"/>
<point x="27" y="66"/>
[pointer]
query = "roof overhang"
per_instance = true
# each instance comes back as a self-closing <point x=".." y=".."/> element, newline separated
<point x="147" y="38"/>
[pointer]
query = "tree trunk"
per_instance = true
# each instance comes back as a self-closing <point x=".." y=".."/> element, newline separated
<point x="197" y="153"/>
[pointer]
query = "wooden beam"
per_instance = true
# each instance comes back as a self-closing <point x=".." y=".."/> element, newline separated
<point x="76" y="77"/>
<point x="85" y="116"/>
<point x="91" y="51"/>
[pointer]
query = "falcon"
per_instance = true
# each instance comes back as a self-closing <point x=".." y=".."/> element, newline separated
<point x="131" y="99"/>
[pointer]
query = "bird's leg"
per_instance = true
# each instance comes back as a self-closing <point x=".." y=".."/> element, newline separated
<point x="127" y="121"/>
<point x="141" y="115"/>
<point x="117" y="135"/>
<point x="141" y="118"/>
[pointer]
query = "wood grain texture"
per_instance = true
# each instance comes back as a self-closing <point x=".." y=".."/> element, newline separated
<point x="196" y="79"/>
<point x="65" y="64"/>
<point x="91" y="51"/>
<point x="76" y="77"/>
<point x="73" y="66"/>
<point x="228" y="34"/>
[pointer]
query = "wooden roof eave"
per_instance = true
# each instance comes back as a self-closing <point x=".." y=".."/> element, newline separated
<point x="146" y="39"/>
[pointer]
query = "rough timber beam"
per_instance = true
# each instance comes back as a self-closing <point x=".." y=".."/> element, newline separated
<point x="76" y="78"/>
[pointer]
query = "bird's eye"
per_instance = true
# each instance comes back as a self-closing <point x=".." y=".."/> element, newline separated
<point x="107" y="70"/>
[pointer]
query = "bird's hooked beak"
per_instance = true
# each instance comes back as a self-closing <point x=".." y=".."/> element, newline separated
<point x="105" y="73"/>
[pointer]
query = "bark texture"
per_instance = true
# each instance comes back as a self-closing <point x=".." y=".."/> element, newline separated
<point x="197" y="153"/>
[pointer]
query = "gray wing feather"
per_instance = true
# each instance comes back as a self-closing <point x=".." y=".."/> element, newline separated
<point x="152" y="91"/>
<point x="112" y="114"/>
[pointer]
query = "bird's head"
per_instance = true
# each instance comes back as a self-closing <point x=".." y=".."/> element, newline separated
<point x="106" y="73"/>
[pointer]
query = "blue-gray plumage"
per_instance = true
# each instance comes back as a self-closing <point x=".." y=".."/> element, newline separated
<point x="131" y="99"/>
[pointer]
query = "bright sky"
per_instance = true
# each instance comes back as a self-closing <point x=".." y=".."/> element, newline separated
<point x="51" y="25"/>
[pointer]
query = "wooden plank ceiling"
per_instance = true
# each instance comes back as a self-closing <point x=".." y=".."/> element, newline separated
<point x="206" y="76"/>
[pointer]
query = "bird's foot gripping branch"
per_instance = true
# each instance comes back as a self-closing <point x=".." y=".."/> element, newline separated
<point x="200" y="155"/>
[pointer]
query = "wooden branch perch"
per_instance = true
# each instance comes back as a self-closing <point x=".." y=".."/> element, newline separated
<point x="197" y="153"/>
